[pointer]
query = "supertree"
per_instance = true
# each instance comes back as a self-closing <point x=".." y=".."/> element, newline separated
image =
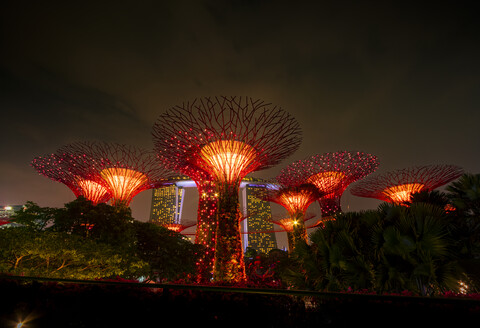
<point x="123" y="169"/>
<point x="397" y="186"/>
<point x="331" y="173"/>
<point x="63" y="169"/>
<point x="288" y="225"/>
<point x="295" y="199"/>
<point x="227" y="138"/>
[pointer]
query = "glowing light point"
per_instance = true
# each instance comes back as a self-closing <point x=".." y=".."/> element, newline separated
<point x="295" y="199"/>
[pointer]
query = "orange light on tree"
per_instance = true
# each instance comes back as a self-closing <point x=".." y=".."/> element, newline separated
<point x="295" y="199"/>
<point x="93" y="190"/>
<point x="123" y="170"/>
<point x="397" y="186"/>
<point x="295" y="202"/>
<point x="123" y="183"/>
<point x="177" y="227"/>
<point x="331" y="173"/>
<point x="227" y="159"/>
<point x="65" y="168"/>
<point x="328" y="181"/>
<point x="227" y="138"/>
<point x="296" y="229"/>
<point x="287" y="224"/>
<point x="403" y="193"/>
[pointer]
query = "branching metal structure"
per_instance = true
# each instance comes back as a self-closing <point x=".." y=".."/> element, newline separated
<point x="64" y="169"/>
<point x="227" y="138"/>
<point x="123" y="169"/>
<point x="331" y="173"/>
<point x="295" y="199"/>
<point x="397" y="186"/>
<point x="177" y="227"/>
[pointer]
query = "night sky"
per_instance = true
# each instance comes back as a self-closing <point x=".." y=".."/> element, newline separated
<point x="399" y="81"/>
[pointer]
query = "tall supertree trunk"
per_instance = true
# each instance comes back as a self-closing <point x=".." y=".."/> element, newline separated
<point x="229" y="266"/>
<point x="206" y="228"/>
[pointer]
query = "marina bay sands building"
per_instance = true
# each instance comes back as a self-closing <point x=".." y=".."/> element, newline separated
<point x="170" y="205"/>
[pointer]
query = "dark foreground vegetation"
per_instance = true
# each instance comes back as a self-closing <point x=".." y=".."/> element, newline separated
<point x="54" y="304"/>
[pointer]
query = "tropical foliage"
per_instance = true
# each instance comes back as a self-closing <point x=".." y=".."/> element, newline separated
<point x="430" y="246"/>
<point x="87" y="241"/>
<point x="392" y="249"/>
<point x="60" y="255"/>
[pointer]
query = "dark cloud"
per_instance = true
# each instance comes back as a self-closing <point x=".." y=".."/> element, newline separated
<point x="397" y="80"/>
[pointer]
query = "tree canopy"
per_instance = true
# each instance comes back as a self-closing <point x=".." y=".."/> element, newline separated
<point x="87" y="241"/>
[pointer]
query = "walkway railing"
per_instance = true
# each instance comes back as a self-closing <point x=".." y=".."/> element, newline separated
<point x="464" y="301"/>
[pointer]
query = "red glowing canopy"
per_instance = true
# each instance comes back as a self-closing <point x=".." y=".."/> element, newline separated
<point x="123" y="170"/>
<point x="397" y="186"/>
<point x="331" y="173"/>
<point x="227" y="137"/>
<point x="295" y="199"/>
<point x="64" y="169"/>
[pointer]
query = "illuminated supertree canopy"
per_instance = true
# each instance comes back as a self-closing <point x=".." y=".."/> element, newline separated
<point x="124" y="170"/>
<point x="295" y="199"/>
<point x="331" y="173"/>
<point x="63" y="169"/>
<point x="226" y="137"/>
<point x="398" y="186"/>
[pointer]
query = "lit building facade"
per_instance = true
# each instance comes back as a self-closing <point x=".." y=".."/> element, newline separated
<point x="167" y="204"/>
<point x="258" y="228"/>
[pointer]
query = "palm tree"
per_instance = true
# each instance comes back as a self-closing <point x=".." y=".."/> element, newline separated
<point x="433" y="197"/>
<point x="392" y="249"/>
<point x="465" y="194"/>
<point x="413" y="250"/>
<point x="336" y="259"/>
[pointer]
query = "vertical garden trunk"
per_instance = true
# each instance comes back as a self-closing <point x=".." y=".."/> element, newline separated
<point x="229" y="266"/>
<point x="206" y="229"/>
